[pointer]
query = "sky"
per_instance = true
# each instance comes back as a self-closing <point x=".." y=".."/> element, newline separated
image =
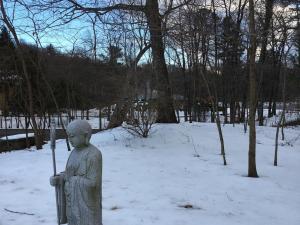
<point x="48" y="32"/>
<point x="75" y="33"/>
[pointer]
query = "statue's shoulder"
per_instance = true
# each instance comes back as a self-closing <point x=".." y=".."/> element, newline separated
<point x="72" y="153"/>
<point x="94" y="151"/>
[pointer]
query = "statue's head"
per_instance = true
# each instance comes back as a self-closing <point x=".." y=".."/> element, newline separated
<point x="79" y="133"/>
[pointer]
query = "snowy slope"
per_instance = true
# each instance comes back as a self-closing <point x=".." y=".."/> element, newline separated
<point x="149" y="181"/>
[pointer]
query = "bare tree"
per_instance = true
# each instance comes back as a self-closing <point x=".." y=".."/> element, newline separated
<point x="166" y="113"/>
<point x="283" y="78"/>
<point x="262" y="58"/>
<point x="20" y="54"/>
<point x="252" y="106"/>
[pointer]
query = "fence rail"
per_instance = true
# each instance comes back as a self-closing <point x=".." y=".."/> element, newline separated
<point x="24" y="122"/>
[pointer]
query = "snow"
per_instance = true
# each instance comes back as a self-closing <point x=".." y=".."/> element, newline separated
<point x="17" y="136"/>
<point x="149" y="181"/>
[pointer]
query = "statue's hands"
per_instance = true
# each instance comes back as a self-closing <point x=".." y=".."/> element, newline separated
<point x="55" y="180"/>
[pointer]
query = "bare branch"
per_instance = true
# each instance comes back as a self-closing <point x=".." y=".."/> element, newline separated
<point x="104" y="10"/>
<point x="171" y="8"/>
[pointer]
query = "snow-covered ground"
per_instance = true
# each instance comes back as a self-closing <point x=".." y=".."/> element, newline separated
<point x="17" y="136"/>
<point x="160" y="180"/>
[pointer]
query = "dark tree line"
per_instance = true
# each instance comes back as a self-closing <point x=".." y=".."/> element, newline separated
<point x="78" y="82"/>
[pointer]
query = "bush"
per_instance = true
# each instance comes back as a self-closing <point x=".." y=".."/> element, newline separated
<point x="140" y="118"/>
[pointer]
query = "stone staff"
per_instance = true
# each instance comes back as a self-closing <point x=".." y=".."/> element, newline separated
<point x="52" y="141"/>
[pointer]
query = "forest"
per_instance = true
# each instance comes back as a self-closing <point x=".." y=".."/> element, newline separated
<point x="229" y="61"/>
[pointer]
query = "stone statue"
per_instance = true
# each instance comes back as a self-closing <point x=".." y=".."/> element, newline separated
<point x="81" y="182"/>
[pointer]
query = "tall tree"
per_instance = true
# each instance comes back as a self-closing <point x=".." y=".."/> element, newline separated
<point x="165" y="108"/>
<point x="252" y="82"/>
<point x="262" y="58"/>
<point x="20" y="55"/>
<point x="166" y="113"/>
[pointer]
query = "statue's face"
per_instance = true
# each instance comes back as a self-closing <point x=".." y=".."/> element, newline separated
<point x="79" y="133"/>
<point x="77" y="140"/>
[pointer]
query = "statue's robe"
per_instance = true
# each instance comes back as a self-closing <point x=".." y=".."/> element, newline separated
<point x="83" y="187"/>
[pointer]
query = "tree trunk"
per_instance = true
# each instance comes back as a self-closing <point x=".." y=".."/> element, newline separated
<point x="282" y="116"/>
<point x="262" y="58"/>
<point x="165" y="108"/>
<point x="260" y="112"/>
<point x="119" y="114"/>
<point x="214" y="103"/>
<point x="252" y="81"/>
